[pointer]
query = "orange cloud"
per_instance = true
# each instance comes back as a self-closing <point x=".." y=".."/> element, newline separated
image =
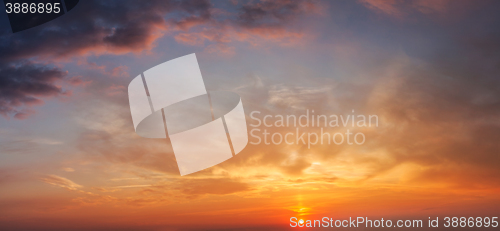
<point x="401" y="9"/>
<point x="61" y="182"/>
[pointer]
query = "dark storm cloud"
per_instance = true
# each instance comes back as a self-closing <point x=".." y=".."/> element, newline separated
<point x="271" y="12"/>
<point x="99" y="27"/>
<point x="93" y="27"/>
<point x="120" y="27"/>
<point x="23" y="84"/>
<point x="199" y="12"/>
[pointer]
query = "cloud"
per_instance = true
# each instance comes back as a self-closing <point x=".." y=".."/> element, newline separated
<point x="61" y="182"/>
<point x="90" y="28"/>
<point x="46" y="141"/>
<point x="255" y="23"/>
<point x="222" y="186"/>
<point x="190" y="39"/>
<point x="385" y="6"/>
<point x="443" y="123"/>
<point x="116" y="90"/>
<point x="436" y="146"/>
<point x="109" y="138"/>
<point x="78" y="81"/>
<point x="267" y="13"/>
<point x="68" y="169"/>
<point x="25" y="84"/>
<point x="404" y="9"/>
<point x="221" y="49"/>
<point x="297" y="97"/>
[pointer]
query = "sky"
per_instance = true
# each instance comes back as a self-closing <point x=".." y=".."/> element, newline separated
<point x="71" y="160"/>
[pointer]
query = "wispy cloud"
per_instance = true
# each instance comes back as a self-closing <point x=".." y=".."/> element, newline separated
<point x="61" y="182"/>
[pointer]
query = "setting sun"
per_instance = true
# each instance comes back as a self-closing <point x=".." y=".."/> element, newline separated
<point x="249" y="115"/>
